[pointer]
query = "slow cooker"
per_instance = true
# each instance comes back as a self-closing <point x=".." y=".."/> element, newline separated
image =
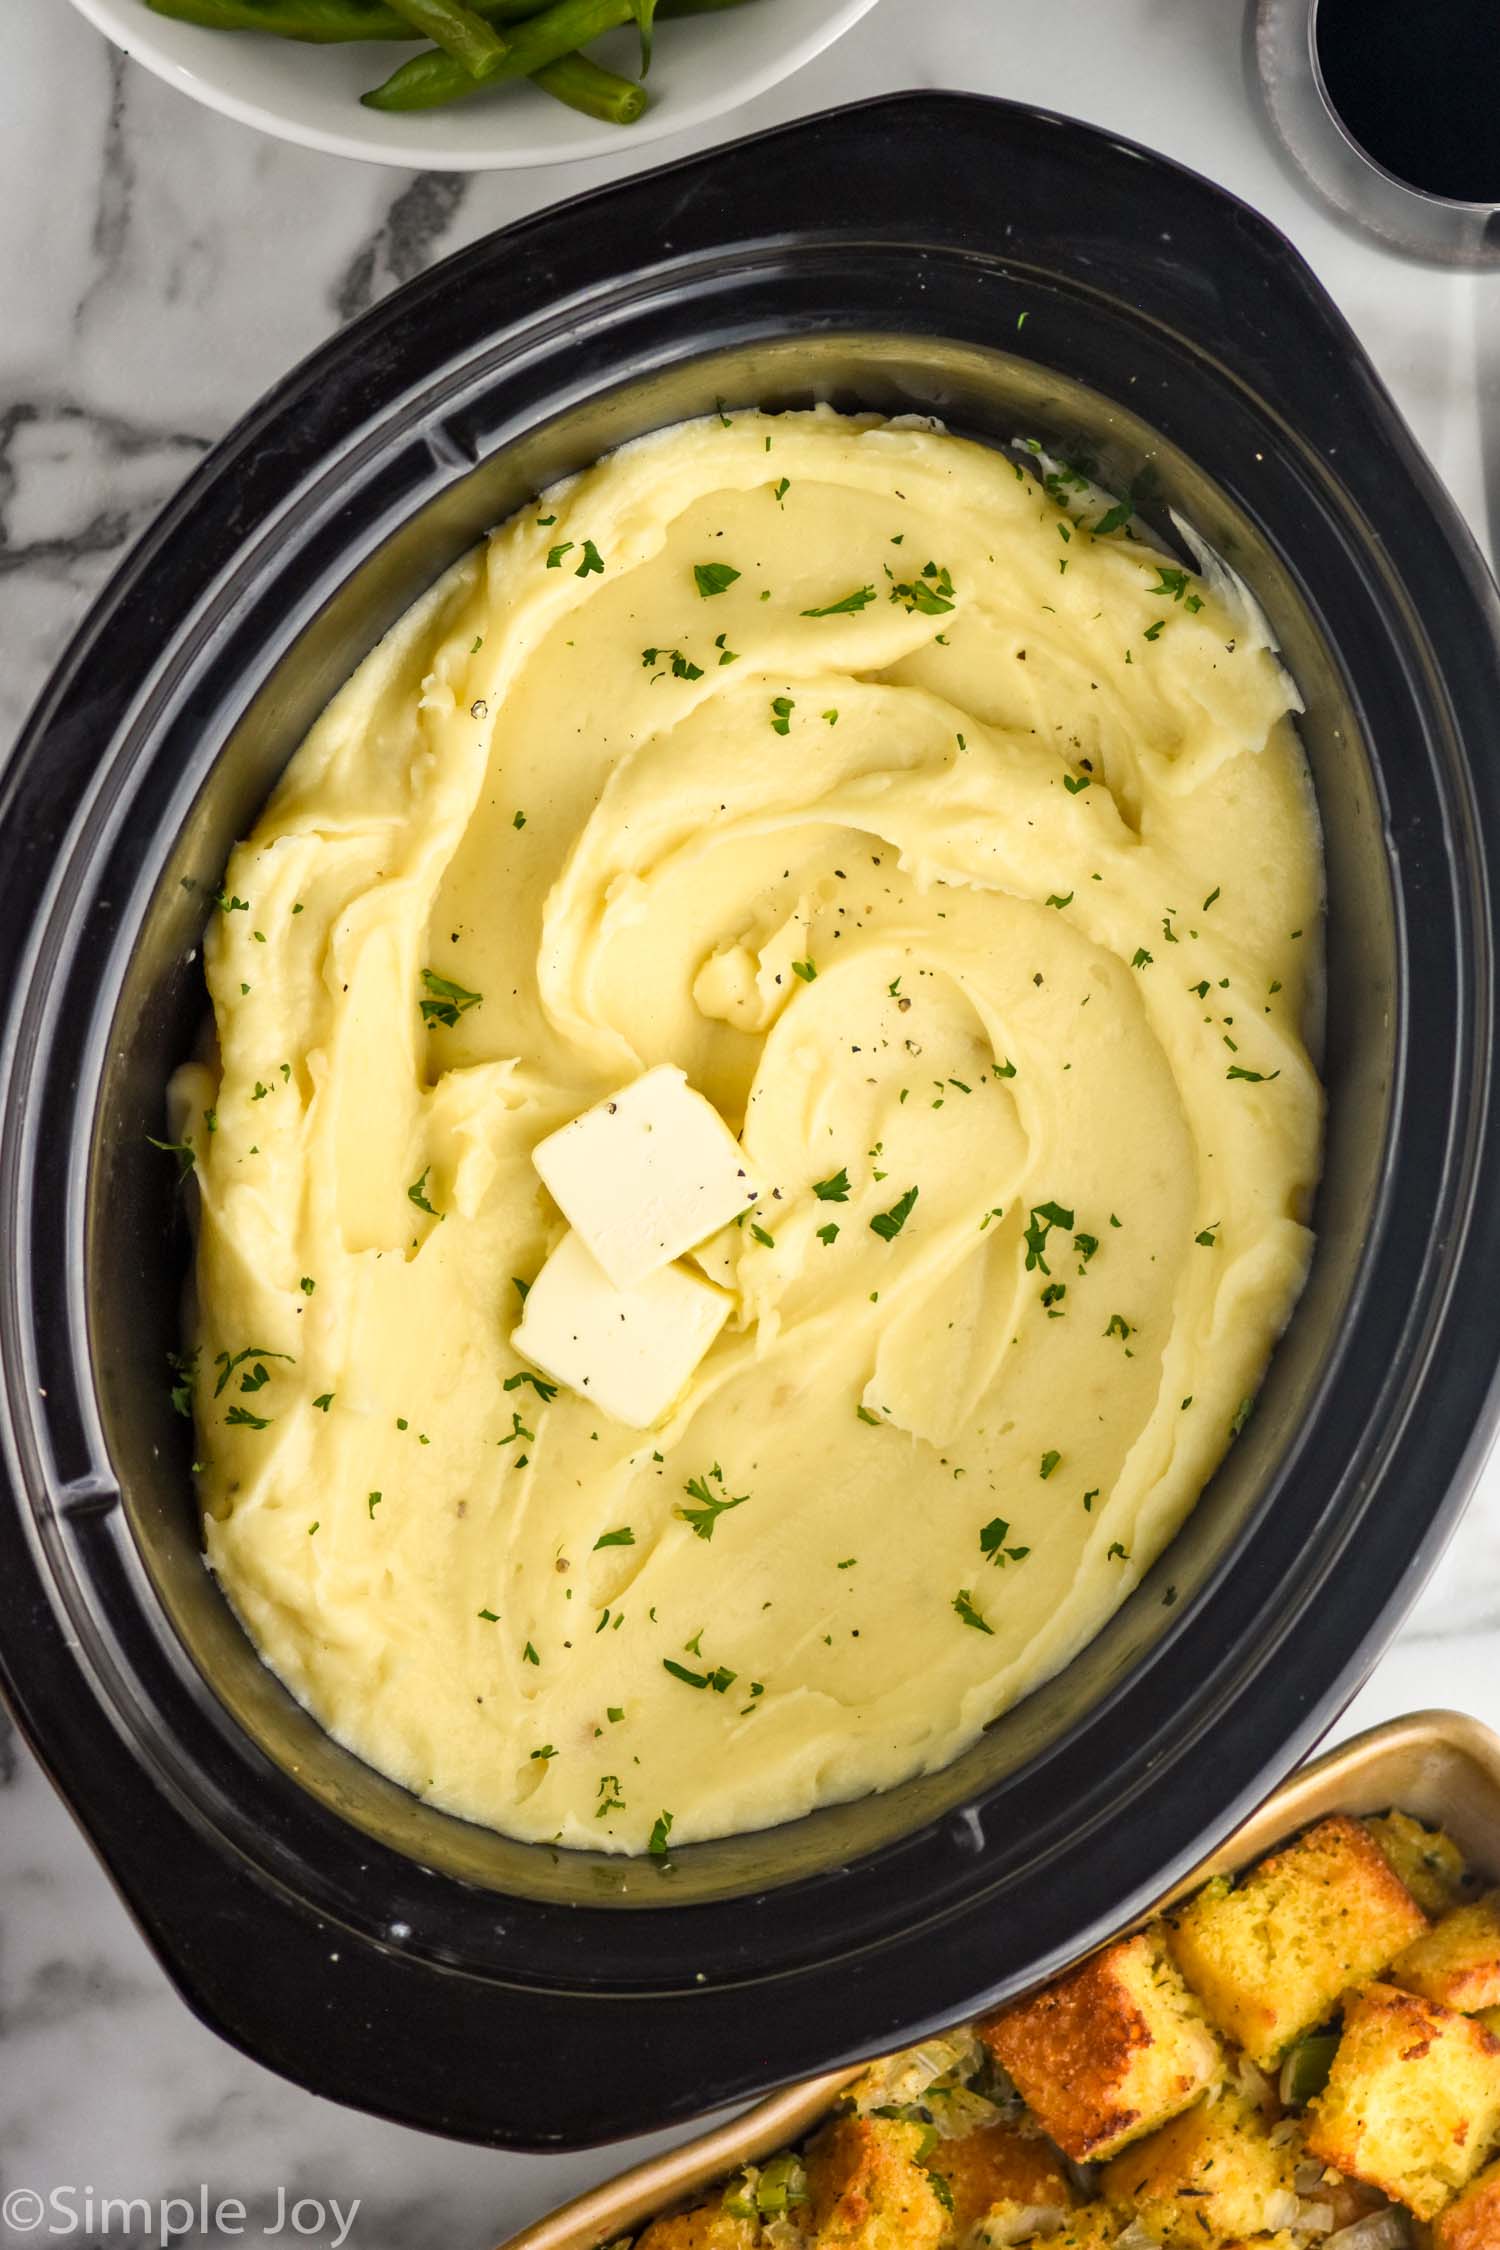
<point x="1017" y="275"/>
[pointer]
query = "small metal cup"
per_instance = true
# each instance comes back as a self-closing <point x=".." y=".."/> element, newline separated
<point x="1433" y="227"/>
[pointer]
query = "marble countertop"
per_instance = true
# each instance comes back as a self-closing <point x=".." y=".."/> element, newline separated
<point x="159" y="267"/>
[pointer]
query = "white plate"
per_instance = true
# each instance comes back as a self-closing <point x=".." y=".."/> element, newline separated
<point x="703" y="66"/>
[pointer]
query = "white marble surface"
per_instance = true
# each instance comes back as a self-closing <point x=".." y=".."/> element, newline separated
<point x="159" y="267"/>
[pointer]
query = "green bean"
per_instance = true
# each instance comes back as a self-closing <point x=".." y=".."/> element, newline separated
<point x="584" y="86"/>
<point x="458" y="32"/>
<point x="323" y="21"/>
<point x="430" y="80"/>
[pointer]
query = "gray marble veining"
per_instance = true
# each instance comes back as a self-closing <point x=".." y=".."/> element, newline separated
<point x="159" y="268"/>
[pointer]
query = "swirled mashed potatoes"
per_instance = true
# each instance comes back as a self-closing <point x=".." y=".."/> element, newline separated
<point x="966" y="861"/>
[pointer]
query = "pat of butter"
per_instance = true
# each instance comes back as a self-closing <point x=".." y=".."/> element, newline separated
<point x="646" y="1175"/>
<point x="629" y="1350"/>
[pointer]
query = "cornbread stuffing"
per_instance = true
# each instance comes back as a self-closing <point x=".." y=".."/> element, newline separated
<point x="1379" y="2130"/>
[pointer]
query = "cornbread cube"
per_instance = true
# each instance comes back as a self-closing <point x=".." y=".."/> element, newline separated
<point x="1473" y="2222"/>
<point x="995" y="2173"/>
<point x="1412" y="2105"/>
<point x="1270" y="1957"/>
<point x="1210" y="2176"/>
<point x="710" y="2227"/>
<point x="1109" y="2051"/>
<point x="869" y="2191"/>
<point x="1458" y="1962"/>
<point x="1427" y="1860"/>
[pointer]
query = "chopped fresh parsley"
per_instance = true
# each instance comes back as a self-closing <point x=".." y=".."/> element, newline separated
<point x="185" y="1368"/>
<point x="866" y="1416"/>
<point x="1119" y="1326"/>
<point x="657" y="1846"/>
<point x="1242" y="1414"/>
<point x="227" y="1363"/>
<point x="963" y="1603"/>
<point x="446" y="1000"/>
<point x="1141" y="959"/>
<point x="1172" y="582"/>
<point x="490" y="1616"/>
<point x="323" y="1401"/>
<point x="711" y="1506"/>
<point x="373" y="1503"/>
<point x="1252" y="1077"/>
<point x="720" y="1680"/>
<point x="727" y="655"/>
<point x="417" y="1193"/>
<point x="1043" y="1217"/>
<point x="931" y="591"/>
<point x="828" y="1234"/>
<point x="545" y="1391"/>
<point x="1060" y="900"/>
<point x="888" y="1224"/>
<point x="806" y="970"/>
<point x="713" y="578"/>
<point x="992" y="1544"/>
<point x="240" y="1417"/>
<point x="555" y="554"/>
<point x="835" y="1189"/>
<point x="624" y="1537"/>
<point x="782" y="708"/>
<point x="184" y="1152"/>
<point x="529" y="1655"/>
<point x="1049" y="1463"/>
<point x="861" y="598"/>
<point x="1074" y="782"/>
<point x="592" y="560"/>
<point x="1209" y="1238"/>
<point x="681" y="668"/>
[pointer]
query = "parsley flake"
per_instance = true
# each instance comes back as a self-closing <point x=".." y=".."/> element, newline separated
<point x="701" y="1519"/>
<point x="850" y="605"/>
<point x="417" y="1193"/>
<point x="963" y="1603"/>
<point x="447" y="1001"/>
<point x="888" y="1224"/>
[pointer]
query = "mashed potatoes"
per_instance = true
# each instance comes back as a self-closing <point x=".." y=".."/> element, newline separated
<point x="966" y="860"/>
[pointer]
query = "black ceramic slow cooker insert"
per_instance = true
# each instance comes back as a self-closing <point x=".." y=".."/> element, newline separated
<point x="1017" y="275"/>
